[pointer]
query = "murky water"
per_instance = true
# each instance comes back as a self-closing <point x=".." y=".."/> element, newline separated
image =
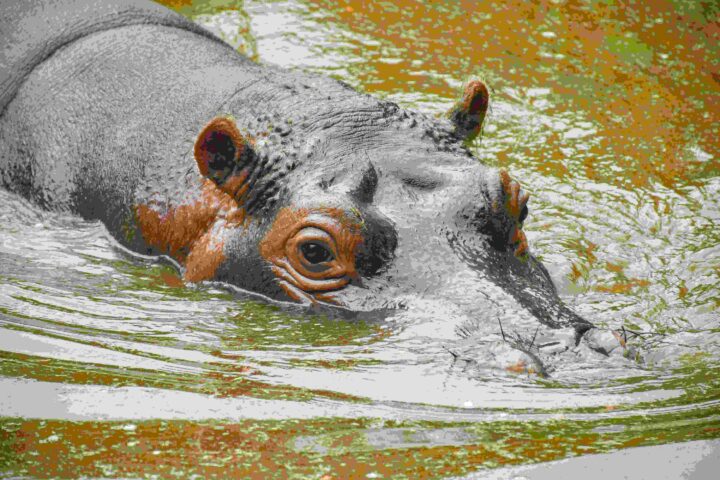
<point x="110" y="366"/>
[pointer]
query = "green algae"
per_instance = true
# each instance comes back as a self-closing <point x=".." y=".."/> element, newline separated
<point x="322" y="446"/>
<point x="220" y="379"/>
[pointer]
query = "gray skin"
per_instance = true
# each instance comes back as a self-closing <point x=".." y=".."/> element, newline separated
<point x="100" y="107"/>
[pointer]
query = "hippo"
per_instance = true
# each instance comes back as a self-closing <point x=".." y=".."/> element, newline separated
<point x="287" y="184"/>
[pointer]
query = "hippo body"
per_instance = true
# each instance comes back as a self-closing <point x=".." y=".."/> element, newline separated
<point x="287" y="184"/>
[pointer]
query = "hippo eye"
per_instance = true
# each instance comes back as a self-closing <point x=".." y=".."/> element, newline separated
<point x="315" y="253"/>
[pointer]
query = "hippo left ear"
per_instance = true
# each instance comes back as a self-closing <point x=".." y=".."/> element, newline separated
<point x="468" y="114"/>
<point x="220" y="149"/>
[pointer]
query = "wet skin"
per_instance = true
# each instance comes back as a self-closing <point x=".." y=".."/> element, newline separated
<point x="286" y="184"/>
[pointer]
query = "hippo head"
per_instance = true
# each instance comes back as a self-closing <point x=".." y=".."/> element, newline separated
<point x="365" y="206"/>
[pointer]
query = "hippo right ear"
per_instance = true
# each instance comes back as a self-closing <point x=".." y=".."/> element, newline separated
<point x="220" y="149"/>
<point x="468" y="114"/>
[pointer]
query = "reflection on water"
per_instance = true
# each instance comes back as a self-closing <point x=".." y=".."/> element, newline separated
<point x="610" y="118"/>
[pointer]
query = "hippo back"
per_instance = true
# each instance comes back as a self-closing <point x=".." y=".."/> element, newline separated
<point x="32" y="30"/>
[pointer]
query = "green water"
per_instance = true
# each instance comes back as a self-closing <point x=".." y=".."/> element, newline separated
<point x="610" y="117"/>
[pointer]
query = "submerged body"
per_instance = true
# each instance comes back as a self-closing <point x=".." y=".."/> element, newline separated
<point x="282" y="183"/>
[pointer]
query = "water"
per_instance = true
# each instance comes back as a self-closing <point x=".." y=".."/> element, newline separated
<point x="110" y="366"/>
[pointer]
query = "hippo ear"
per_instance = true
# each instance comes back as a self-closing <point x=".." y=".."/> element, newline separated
<point x="220" y="149"/>
<point x="468" y="114"/>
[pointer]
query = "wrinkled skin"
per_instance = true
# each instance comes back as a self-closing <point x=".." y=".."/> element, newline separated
<point x="286" y="184"/>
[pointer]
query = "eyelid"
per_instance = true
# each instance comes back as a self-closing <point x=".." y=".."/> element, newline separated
<point x="421" y="183"/>
<point x="320" y="237"/>
<point x="313" y="234"/>
<point x="313" y="271"/>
